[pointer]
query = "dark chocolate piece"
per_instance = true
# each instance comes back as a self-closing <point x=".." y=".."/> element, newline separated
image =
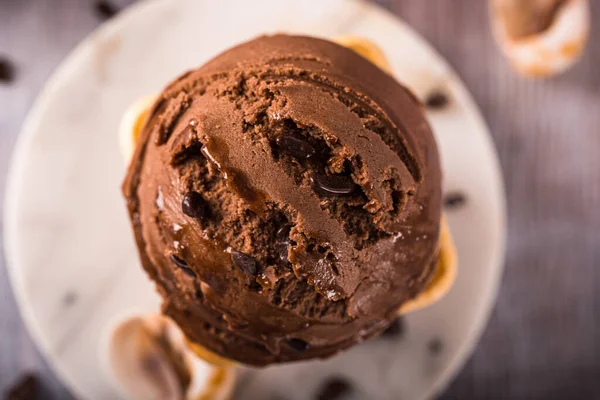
<point x="454" y="200"/>
<point x="335" y="388"/>
<point x="333" y="185"/>
<point x="105" y="9"/>
<point x="25" y="388"/>
<point x="295" y="146"/>
<point x="193" y="205"/>
<point x="182" y="265"/>
<point x="435" y="346"/>
<point x="298" y="345"/>
<point x="396" y="329"/>
<point x="7" y="70"/>
<point x="437" y="100"/>
<point x="247" y="264"/>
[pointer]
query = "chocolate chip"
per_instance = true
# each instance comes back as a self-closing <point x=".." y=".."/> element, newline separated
<point x="454" y="200"/>
<point x="333" y="185"/>
<point x="255" y="287"/>
<point x="298" y="345"/>
<point x="247" y="264"/>
<point x="396" y="329"/>
<point x="183" y="265"/>
<point x="283" y="233"/>
<point x="7" y="70"/>
<point x="435" y="346"/>
<point x="295" y="146"/>
<point x="334" y="388"/>
<point x="282" y="251"/>
<point x="436" y="100"/>
<point x="193" y="205"/>
<point x="283" y="242"/>
<point x="26" y="388"/>
<point x="105" y="9"/>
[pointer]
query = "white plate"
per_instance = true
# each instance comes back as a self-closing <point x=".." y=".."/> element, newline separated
<point x="70" y="250"/>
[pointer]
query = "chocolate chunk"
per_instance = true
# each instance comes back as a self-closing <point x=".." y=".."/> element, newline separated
<point x="283" y="243"/>
<point x="335" y="388"/>
<point x="7" y="70"/>
<point x="283" y="233"/>
<point x="333" y="185"/>
<point x="183" y="265"/>
<point x="255" y="287"/>
<point x="435" y="346"/>
<point x="247" y="264"/>
<point x="454" y="200"/>
<point x="282" y="251"/>
<point x="396" y="329"/>
<point x="295" y="146"/>
<point x="26" y="388"/>
<point x="105" y="9"/>
<point x="298" y="345"/>
<point x="193" y="205"/>
<point x="436" y="100"/>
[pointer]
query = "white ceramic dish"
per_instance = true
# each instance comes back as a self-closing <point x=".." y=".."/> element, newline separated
<point x="70" y="251"/>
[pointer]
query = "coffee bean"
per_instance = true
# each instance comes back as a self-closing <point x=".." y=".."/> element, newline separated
<point x="436" y="100"/>
<point x="283" y="242"/>
<point x="193" y="205"/>
<point x="7" y="70"/>
<point x="335" y="388"/>
<point x="454" y="200"/>
<point x="247" y="264"/>
<point x="183" y="265"/>
<point x="295" y="146"/>
<point x="298" y="345"/>
<point x="105" y="9"/>
<point x="26" y="388"/>
<point x="333" y="185"/>
<point x="396" y="329"/>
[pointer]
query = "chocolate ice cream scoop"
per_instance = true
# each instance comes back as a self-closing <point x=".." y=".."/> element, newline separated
<point x="285" y="197"/>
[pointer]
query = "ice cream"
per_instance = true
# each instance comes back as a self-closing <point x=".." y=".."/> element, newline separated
<point x="286" y="199"/>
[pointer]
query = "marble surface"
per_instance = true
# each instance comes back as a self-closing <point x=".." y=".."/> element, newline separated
<point x="70" y="252"/>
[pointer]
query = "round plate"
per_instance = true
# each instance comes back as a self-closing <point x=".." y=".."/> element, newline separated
<point x="71" y="254"/>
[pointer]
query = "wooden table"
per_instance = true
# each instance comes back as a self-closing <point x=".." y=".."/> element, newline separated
<point x="543" y="341"/>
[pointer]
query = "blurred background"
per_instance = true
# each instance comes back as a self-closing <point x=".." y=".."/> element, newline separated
<point x="543" y="339"/>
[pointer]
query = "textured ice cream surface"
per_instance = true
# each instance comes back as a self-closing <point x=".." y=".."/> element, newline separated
<point x="285" y="197"/>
